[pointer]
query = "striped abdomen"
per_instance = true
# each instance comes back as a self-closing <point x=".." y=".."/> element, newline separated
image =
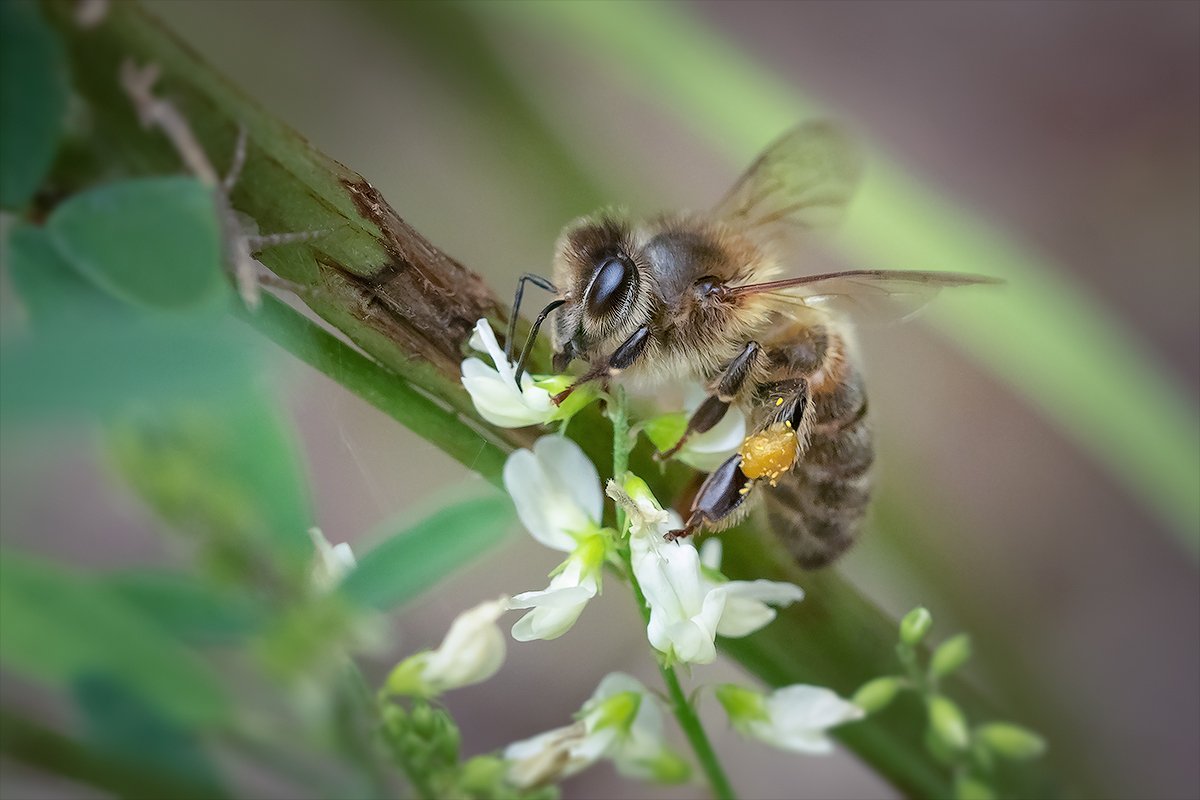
<point x="817" y="508"/>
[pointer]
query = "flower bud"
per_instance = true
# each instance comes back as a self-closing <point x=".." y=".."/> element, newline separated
<point x="422" y="720"/>
<point x="950" y="655"/>
<point x="877" y="694"/>
<point x="968" y="787"/>
<point x="915" y="625"/>
<point x="948" y="723"/>
<point x="1011" y="741"/>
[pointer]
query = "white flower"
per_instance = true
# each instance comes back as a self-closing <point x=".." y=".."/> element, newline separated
<point x="494" y="390"/>
<point x="792" y="718"/>
<point x="557" y="494"/>
<point x="472" y="652"/>
<point x="331" y="563"/>
<point x="690" y="603"/>
<point x="621" y="721"/>
<point x="747" y="603"/>
<point x="556" y="607"/>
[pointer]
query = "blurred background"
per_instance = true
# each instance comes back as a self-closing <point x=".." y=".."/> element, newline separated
<point x="1071" y="128"/>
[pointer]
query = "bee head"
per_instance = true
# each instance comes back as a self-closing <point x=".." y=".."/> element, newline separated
<point x="605" y="285"/>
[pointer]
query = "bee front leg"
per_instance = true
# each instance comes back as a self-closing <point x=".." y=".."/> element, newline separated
<point x="722" y="493"/>
<point x="713" y="409"/>
<point x="621" y="359"/>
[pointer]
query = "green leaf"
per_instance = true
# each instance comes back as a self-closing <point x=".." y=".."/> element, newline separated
<point x="950" y="655"/>
<point x="153" y="242"/>
<point x="97" y="366"/>
<point x="50" y="289"/>
<point x="229" y="473"/>
<point x="187" y="608"/>
<point x="33" y="100"/>
<point x="56" y="626"/>
<point x="403" y="566"/>
<point x="121" y="725"/>
<point x="665" y="430"/>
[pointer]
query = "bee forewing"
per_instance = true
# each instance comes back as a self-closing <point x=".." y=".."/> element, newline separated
<point x="803" y="180"/>
<point x="866" y="297"/>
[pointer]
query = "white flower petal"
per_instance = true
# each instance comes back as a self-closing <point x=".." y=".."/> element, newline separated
<point x="707" y="451"/>
<point x="555" y="609"/>
<point x="710" y="554"/>
<point x="500" y="403"/>
<point x="330" y="563"/>
<point x="800" y="741"/>
<point x="800" y="707"/>
<point x="544" y="506"/>
<point x="494" y="391"/>
<point x="573" y="472"/>
<point x="747" y="608"/>
<point x="548" y="757"/>
<point x="472" y="651"/>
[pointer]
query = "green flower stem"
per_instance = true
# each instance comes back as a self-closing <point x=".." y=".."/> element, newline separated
<point x="474" y="447"/>
<point x="680" y="706"/>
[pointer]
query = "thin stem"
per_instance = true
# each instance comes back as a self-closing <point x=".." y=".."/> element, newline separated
<point x="680" y="706"/>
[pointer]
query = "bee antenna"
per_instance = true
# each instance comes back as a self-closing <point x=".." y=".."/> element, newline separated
<point x="533" y="332"/>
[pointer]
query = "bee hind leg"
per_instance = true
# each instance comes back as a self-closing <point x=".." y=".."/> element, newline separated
<point x="722" y="494"/>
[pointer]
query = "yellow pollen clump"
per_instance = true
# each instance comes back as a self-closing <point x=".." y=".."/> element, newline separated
<point x="769" y="454"/>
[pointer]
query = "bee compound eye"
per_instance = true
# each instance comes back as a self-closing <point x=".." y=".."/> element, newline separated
<point x="610" y="286"/>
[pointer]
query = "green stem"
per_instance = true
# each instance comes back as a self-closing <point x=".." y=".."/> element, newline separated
<point x="688" y="721"/>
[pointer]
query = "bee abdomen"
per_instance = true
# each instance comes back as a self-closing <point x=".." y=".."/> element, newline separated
<point x="818" y="506"/>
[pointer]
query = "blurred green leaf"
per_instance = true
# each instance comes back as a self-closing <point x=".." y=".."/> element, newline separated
<point x="33" y="100"/>
<point x="48" y="286"/>
<point x="56" y="626"/>
<point x="188" y="608"/>
<point x="403" y="566"/>
<point x="229" y="473"/>
<point x="90" y="367"/>
<point x="154" y="242"/>
<point x="120" y="724"/>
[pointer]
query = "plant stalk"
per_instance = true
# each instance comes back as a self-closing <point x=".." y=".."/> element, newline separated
<point x="680" y="707"/>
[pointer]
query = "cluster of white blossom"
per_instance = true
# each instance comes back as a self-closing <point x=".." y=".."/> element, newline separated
<point x="560" y="500"/>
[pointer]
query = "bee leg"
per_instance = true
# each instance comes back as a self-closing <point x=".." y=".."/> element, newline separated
<point x="786" y="401"/>
<point x="536" y="280"/>
<point x="722" y="493"/>
<point x="622" y="358"/>
<point x="713" y="409"/>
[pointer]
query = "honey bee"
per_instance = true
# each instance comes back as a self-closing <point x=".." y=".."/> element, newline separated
<point x="698" y="296"/>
